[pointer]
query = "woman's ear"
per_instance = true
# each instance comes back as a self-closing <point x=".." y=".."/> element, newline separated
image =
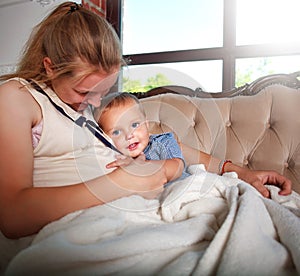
<point x="48" y="66"/>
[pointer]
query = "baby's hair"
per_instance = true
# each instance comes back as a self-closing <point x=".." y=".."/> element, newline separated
<point x="116" y="99"/>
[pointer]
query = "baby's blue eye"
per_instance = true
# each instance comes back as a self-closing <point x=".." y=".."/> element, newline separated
<point x="135" y="125"/>
<point x="116" y="132"/>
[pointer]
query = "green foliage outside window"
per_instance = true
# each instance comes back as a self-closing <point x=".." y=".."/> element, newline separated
<point x="152" y="82"/>
<point x="247" y="70"/>
<point x="255" y="68"/>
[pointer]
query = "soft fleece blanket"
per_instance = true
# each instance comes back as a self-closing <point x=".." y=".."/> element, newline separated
<point x="202" y="225"/>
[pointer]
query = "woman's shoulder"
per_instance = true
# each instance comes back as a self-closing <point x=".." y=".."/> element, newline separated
<point x="14" y="95"/>
<point x="14" y="89"/>
<point x="11" y="86"/>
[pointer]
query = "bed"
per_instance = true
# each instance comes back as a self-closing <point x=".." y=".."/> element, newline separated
<point x="205" y="224"/>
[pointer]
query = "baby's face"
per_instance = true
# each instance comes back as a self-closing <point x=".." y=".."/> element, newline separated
<point x="126" y="125"/>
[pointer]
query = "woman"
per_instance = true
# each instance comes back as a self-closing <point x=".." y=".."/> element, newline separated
<point x="51" y="166"/>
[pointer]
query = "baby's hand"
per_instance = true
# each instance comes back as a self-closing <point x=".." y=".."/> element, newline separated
<point x="122" y="160"/>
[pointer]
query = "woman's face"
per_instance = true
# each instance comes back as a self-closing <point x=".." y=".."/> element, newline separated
<point x="88" y="91"/>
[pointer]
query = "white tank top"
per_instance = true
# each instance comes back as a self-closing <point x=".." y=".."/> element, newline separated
<point x="66" y="153"/>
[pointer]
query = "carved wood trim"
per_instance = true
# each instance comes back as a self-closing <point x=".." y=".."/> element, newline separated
<point x="288" y="80"/>
<point x="175" y="89"/>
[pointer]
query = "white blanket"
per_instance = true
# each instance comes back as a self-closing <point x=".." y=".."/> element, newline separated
<point x="202" y="225"/>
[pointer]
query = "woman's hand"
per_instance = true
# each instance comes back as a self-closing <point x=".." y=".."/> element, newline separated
<point x="131" y="176"/>
<point x="258" y="179"/>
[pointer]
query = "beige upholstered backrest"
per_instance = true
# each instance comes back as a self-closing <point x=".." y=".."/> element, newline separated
<point x="261" y="131"/>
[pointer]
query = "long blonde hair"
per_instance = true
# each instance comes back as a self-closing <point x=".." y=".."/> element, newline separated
<point x="73" y="38"/>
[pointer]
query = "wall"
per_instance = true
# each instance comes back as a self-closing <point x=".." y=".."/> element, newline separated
<point x="97" y="6"/>
<point x="17" y="18"/>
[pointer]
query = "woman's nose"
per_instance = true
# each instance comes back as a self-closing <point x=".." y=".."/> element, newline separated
<point x="94" y="100"/>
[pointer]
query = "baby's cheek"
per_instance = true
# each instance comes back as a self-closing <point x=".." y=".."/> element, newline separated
<point x="118" y="143"/>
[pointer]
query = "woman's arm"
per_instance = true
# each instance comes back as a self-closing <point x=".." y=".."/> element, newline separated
<point x="173" y="167"/>
<point x="258" y="179"/>
<point x="25" y="209"/>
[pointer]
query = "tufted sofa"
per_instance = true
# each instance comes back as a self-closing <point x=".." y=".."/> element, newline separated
<point x="256" y="126"/>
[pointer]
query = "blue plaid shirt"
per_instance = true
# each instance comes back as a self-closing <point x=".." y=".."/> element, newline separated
<point x="164" y="146"/>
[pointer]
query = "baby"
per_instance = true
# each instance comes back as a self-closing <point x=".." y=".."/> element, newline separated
<point x="122" y="117"/>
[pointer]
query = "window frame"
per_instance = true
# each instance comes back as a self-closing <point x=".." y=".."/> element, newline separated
<point x="228" y="53"/>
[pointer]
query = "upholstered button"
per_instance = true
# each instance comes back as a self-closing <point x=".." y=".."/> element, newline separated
<point x="286" y="164"/>
<point x="268" y="125"/>
<point x="291" y="164"/>
<point x="228" y="124"/>
<point x="246" y="162"/>
<point x="193" y="124"/>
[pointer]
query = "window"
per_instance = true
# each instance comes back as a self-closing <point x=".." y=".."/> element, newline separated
<point x="267" y="21"/>
<point x="206" y="75"/>
<point x="171" y="25"/>
<point x="249" y="69"/>
<point x="215" y="45"/>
